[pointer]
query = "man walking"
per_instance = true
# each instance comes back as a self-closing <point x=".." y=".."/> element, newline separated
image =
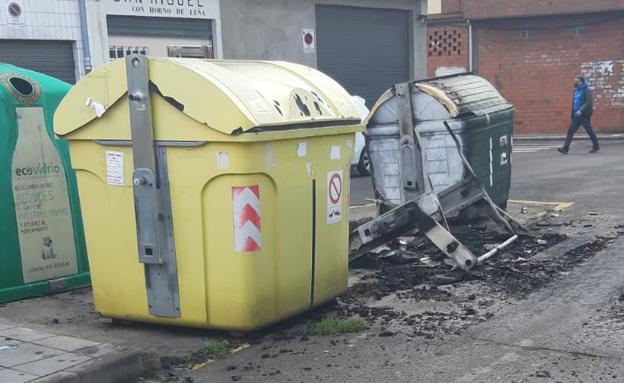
<point x="582" y="109"/>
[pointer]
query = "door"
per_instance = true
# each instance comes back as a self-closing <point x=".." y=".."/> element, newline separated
<point x="52" y="57"/>
<point x="365" y="49"/>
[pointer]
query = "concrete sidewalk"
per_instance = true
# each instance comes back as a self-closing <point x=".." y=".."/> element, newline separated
<point x="136" y="348"/>
<point x="28" y="355"/>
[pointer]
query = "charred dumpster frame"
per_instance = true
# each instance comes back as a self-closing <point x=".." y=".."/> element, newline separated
<point x="480" y="117"/>
<point x="408" y="199"/>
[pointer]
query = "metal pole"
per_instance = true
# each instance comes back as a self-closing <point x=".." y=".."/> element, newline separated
<point x="470" y="48"/>
<point x="84" y="33"/>
<point x="495" y="250"/>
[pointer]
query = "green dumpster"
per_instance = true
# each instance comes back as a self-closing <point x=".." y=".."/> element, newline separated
<point x="41" y="236"/>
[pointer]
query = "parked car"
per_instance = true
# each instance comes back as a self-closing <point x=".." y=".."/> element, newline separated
<point x="360" y="155"/>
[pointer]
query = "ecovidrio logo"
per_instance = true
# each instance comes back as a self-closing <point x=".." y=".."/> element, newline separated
<point x="38" y="170"/>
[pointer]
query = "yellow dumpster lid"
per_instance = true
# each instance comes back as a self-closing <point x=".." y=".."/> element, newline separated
<point x="229" y="96"/>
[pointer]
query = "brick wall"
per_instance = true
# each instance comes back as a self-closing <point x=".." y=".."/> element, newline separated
<point x="533" y="63"/>
<point x="479" y="9"/>
<point x="447" y="50"/>
<point x="451" y="6"/>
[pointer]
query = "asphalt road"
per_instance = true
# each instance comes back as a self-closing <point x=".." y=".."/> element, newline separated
<point x="540" y="173"/>
<point x="557" y="335"/>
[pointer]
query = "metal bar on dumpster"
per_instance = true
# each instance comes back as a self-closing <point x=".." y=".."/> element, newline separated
<point x="152" y="202"/>
<point x="443" y="239"/>
<point x="412" y="155"/>
<point x="401" y="220"/>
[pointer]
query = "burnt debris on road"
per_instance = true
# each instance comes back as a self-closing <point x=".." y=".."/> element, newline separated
<point x="411" y="269"/>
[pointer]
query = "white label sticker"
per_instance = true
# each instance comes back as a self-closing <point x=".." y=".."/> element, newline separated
<point x="503" y="159"/>
<point x="334" y="196"/>
<point x="223" y="160"/>
<point x="334" y="154"/>
<point x="302" y="149"/>
<point x="270" y="156"/>
<point x="503" y="140"/>
<point x="99" y="109"/>
<point x="115" y="168"/>
<point x="310" y="168"/>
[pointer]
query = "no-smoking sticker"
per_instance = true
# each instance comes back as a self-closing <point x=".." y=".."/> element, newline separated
<point x="334" y="196"/>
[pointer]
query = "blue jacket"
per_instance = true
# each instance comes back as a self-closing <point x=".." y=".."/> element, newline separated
<point x="582" y="99"/>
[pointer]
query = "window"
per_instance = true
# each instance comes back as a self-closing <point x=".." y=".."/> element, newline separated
<point x="190" y="51"/>
<point x="116" y="52"/>
<point x="446" y="42"/>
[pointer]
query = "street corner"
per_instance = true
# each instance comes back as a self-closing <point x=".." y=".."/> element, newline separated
<point x="34" y="355"/>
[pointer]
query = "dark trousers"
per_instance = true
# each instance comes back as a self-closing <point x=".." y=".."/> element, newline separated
<point x="574" y="125"/>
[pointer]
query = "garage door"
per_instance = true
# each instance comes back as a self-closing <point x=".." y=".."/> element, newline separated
<point x="364" y="49"/>
<point x="54" y="58"/>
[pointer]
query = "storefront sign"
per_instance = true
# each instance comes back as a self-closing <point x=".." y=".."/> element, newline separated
<point x="40" y="194"/>
<point x="164" y="8"/>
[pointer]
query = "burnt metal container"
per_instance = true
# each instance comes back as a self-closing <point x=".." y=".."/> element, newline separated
<point x="480" y="118"/>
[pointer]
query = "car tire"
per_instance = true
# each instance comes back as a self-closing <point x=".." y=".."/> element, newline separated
<point x="363" y="166"/>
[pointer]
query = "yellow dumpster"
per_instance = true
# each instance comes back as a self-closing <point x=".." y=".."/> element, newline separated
<point x="214" y="193"/>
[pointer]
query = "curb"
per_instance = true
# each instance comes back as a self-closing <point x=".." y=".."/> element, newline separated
<point x="561" y="137"/>
<point x="119" y="367"/>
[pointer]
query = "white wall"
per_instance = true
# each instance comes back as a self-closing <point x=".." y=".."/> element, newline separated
<point x="46" y="20"/>
<point x="98" y="9"/>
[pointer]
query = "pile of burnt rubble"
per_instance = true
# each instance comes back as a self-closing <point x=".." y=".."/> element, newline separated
<point x="412" y="269"/>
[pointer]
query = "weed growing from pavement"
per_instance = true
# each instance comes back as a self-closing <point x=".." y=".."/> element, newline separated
<point x="333" y="326"/>
<point x="215" y="349"/>
<point x="187" y="359"/>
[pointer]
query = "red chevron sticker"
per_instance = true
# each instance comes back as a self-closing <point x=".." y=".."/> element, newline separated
<point x="246" y="217"/>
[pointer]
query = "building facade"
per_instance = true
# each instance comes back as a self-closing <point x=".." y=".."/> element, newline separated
<point x="45" y="36"/>
<point x="67" y="38"/>
<point x="531" y="52"/>
<point x="161" y="28"/>
<point x="366" y="45"/>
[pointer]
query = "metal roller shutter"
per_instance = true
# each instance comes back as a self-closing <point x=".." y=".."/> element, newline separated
<point x="159" y="27"/>
<point x="52" y="57"/>
<point x="365" y="49"/>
